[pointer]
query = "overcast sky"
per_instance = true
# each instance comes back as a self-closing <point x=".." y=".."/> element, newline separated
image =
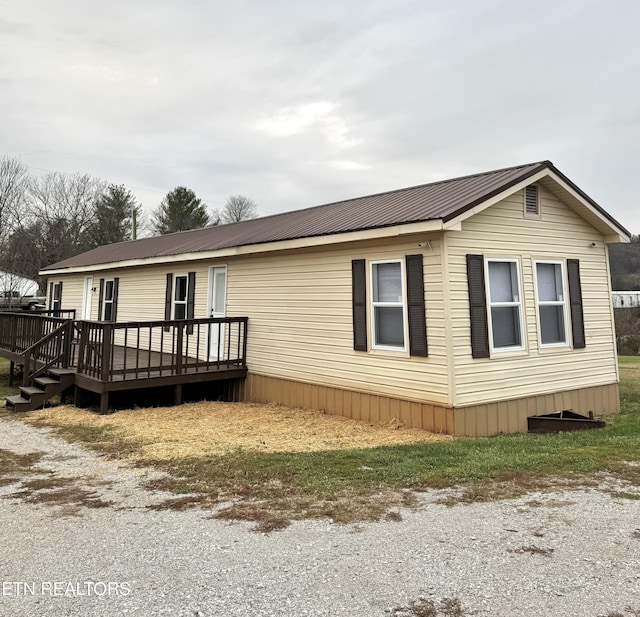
<point x="297" y="103"/>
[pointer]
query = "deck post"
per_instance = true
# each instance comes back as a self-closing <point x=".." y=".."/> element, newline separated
<point x="26" y="369"/>
<point x="107" y="329"/>
<point x="104" y="403"/>
<point x="82" y="345"/>
<point x="177" y="394"/>
<point x="66" y="353"/>
<point x="12" y="368"/>
<point x="179" y="345"/>
<point x="244" y="341"/>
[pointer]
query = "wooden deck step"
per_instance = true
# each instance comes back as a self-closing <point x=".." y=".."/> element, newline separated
<point x="61" y="371"/>
<point x="19" y="403"/>
<point x="45" y="382"/>
<point x="64" y="376"/>
<point x="31" y="391"/>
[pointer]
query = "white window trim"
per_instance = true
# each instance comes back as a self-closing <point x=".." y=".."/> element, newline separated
<point x="103" y="317"/>
<point x="173" y="295"/>
<point x="373" y="305"/>
<point x="56" y="301"/>
<point x="520" y="304"/>
<point x="563" y="303"/>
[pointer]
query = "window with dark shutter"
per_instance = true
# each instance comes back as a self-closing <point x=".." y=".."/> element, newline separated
<point x="531" y="204"/>
<point x="477" y="307"/>
<point x="109" y="291"/>
<point x="359" y="303"/>
<point x="416" y="306"/>
<point x="575" y="302"/>
<point x="56" y="296"/>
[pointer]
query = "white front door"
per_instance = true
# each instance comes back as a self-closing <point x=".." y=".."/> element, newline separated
<point x="217" y="307"/>
<point x="86" y="297"/>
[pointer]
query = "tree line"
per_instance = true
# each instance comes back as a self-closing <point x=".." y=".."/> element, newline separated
<point x="624" y="261"/>
<point x="45" y="219"/>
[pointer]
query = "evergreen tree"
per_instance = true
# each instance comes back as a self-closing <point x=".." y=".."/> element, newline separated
<point x="180" y="210"/>
<point x="113" y="220"/>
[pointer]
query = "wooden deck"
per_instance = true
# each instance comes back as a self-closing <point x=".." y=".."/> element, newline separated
<point x="107" y="357"/>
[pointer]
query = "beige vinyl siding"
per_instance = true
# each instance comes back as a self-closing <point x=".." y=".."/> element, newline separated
<point x="300" y="316"/>
<point x="141" y="297"/>
<point x="72" y="291"/>
<point x="300" y="321"/>
<point x="502" y="231"/>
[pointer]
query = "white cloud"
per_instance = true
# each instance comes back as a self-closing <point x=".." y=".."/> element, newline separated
<point x="293" y="106"/>
<point x="346" y="165"/>
<point x="320" y="116"/>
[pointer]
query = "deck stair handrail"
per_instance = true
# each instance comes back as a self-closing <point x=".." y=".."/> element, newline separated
<point x="53" y="349"/>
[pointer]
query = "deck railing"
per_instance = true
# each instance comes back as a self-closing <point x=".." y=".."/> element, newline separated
<point x="37" y="340"/>
<point x="144" y="349"/>
<point x="19" y="331"/>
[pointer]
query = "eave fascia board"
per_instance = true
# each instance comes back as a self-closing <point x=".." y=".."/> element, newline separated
<point x="394" y="231"/>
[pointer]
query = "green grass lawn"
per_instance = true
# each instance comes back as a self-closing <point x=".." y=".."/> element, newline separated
<point x="363" y="484"/>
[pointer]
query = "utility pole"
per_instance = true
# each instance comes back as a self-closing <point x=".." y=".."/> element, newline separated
<point x="134" y="224"/>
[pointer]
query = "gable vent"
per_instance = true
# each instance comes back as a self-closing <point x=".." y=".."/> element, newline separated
<point x="531" y="199"/>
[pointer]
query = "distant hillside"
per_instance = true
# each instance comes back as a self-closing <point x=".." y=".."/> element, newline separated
<point x="625" y="265"/>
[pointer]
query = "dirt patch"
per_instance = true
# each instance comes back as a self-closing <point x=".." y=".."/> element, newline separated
<point x="194" y="429"/>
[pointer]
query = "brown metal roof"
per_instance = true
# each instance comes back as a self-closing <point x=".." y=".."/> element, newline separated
<point x="444" y="200"/>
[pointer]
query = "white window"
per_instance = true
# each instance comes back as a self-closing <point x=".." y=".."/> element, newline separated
<point x="107" y="301"/>
<point x="56" y="304"/>
<point x="387" y="305"/>
<point x="552" y="304"/>
<point x="505" y="305"/>
<point x="180" y="286"/>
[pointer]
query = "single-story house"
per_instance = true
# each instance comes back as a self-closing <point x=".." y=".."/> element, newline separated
<point x="461" y="306"/>
<point x="626" y="299"/>
<point x="17" y="284"/>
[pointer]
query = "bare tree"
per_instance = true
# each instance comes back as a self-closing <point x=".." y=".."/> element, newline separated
<point x="63" y="207"/>
<point x="14" y="185"/>
<point x="14" y="179"/>
<point x="238" y="208"/>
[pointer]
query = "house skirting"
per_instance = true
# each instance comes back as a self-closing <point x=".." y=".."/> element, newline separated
<point x="473" y="420"/>
<point x="511" y="416"/>
<point x="372" y="408"/>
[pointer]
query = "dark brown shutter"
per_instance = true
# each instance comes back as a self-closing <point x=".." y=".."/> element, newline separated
<point x="359" y="303"/>
<point x="100" y="300"/>
<point x="114" y="309"/>
<point x="191" y="296"/>
<point x="50" y="296"/>
<point x="415" y="306"/>
<point x="168" y="299"/>
<point x="575" y="300"/>
<point x="477" y="307"/>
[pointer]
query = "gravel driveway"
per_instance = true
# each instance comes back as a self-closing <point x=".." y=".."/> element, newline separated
<point x="571" y="553"/>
